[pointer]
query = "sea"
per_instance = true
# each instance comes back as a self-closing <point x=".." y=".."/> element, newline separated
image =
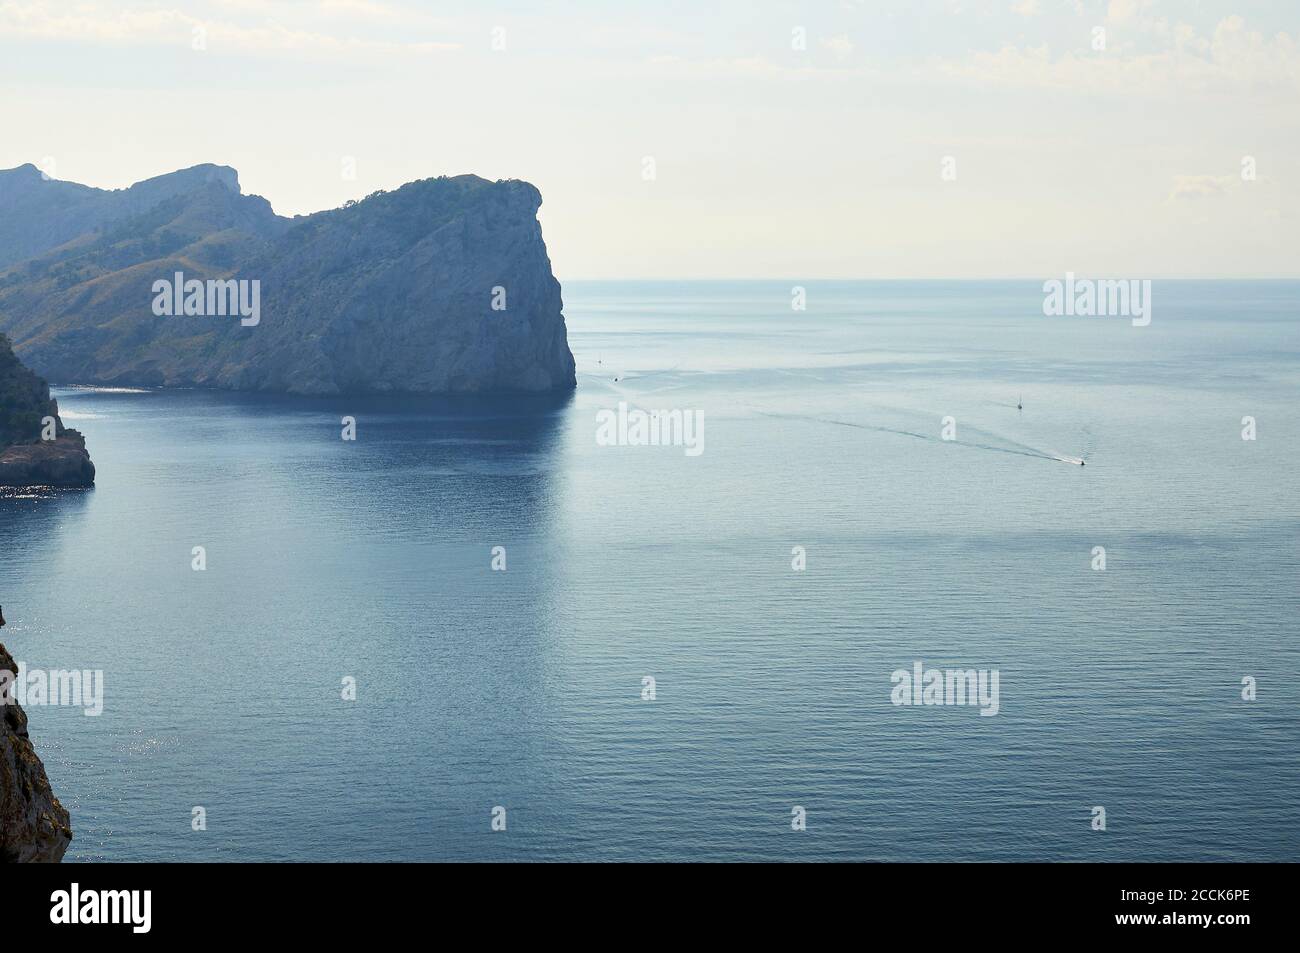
<point x="484" y="630"/>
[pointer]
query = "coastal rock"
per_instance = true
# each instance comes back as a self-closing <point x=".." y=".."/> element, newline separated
<point x="62" y="463"/>
<point x="34" y="826"/>
<point x="441" y="286"/>
<point x="25" y="458"/>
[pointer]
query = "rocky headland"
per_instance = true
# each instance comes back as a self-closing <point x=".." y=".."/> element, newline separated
<point x="441" y="286"/>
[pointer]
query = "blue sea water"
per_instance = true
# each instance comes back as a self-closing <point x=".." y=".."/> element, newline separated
<point x="477" y="688"/>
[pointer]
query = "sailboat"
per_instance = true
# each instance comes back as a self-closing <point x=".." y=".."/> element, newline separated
<point x="1018" y="404"/>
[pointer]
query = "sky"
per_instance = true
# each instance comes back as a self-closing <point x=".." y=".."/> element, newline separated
<point x="759" y="139"/>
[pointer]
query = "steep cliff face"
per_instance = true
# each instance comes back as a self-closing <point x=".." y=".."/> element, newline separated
<point x="34" y="826"/>
<point x="25" y="458"/>
<point x="441" y="286"/>
<point x="396" y="293"/>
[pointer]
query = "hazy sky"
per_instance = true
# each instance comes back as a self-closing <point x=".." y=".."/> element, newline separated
<point x="769" y="160"/>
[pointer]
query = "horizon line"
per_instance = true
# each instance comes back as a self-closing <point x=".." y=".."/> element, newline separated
<point x="1036" y="278"/>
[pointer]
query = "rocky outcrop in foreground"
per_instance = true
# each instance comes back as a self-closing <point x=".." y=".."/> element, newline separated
<point x="34" y="826"/>
<point x="441" y="286"/>
<point x="62" y="463"/>
<point x="25" y="458"/>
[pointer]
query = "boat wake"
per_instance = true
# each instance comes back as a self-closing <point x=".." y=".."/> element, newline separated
<point x="1016" y="448"/>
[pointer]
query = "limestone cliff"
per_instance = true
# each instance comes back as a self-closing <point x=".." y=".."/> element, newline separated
<point x="441" y="286"/>
<point x="34" y="826"/>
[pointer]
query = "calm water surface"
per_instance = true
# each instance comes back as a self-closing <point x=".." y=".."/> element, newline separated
<point x="522" y="688"/>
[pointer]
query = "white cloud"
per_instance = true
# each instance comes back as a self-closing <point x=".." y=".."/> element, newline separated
<point x="1202" y="186"/>
<point x="756" y="67"/>
<point x="122" y="25"/>
<point x="840" y="45"/>
<point x="1234" y="59"/>
<point x="1121" y="11"/>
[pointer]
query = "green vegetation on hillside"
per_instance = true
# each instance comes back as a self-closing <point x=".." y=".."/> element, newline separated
<point x="24" y="399"/>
